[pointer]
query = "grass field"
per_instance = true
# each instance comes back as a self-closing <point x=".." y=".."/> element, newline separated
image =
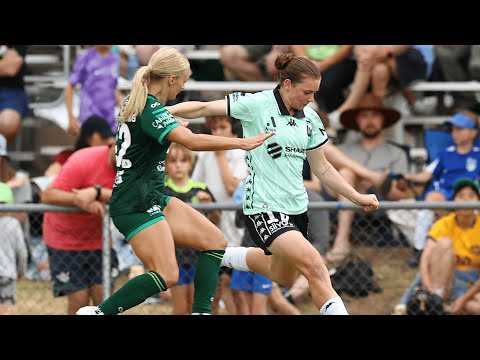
<point x="35" y="297"/>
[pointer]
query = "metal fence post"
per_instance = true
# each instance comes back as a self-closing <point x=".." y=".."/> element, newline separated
<point x="106" y="263"/>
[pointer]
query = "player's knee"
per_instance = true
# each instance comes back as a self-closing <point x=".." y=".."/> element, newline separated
<point x="316" y="269"/>
<point x="214" y="240"/>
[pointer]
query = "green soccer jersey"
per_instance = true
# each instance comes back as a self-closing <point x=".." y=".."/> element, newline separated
<point x="275" y="182"/>
<point x="141" y="149"/>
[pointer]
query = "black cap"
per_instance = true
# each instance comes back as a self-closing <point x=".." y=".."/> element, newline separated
<point x="93" y="124"/>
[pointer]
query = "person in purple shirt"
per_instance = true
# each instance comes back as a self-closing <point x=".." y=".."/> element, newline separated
<point x="96" y="71"/>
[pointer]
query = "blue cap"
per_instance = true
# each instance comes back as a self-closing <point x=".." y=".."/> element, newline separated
<point x="462" y="121"/>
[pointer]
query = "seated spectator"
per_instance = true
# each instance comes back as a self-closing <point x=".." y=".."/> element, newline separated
<point x="459" y="160"/>
<point x="337" y="66"/>
<point x="370" y="118"/>
<point x="460" y="63"/>
<point x="13" y="99"/>
<point x="382" y="66"/>
<point x="450" y="262"/>
<point x="250" y="62"/>
<point x="13" y="254"/>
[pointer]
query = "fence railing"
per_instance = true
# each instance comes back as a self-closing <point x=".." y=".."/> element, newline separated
<point x="379" y="237"/>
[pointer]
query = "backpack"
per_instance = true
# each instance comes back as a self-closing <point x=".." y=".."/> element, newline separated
<point x="354" y="277"/>
<point x="423" y="302"/>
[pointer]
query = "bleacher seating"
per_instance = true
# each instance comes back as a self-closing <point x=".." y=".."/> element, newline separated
<point x="51" y="64"/>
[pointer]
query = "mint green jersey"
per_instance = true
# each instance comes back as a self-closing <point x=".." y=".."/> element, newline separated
<point x="141" y="149"/>
<point x="275" y="182"/>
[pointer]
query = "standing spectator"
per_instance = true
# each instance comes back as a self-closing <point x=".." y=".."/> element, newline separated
<point x="74" y="240"/>
<point x="178" y="183"/>
<point x="13" y="254"/>
<point x="222" y="172"/>
<point x="96" y="70"/>
<point x="450" y="262"/>
<point x="95" y="131"/>
<point x="13" y="99"/>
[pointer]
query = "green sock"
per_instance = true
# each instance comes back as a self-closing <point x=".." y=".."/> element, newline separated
<point x="134" y="292"/>
<point x="206" y="280"/>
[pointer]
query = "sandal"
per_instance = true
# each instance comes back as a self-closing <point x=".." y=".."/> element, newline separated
<point x="336" y="257"/>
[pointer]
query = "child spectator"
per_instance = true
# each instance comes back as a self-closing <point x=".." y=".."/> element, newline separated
<point x="178" y="183"/>
<point x="96" y="70"/>
<point x="450" y="262"/>
<point x="456" y="161"/>
<point x="13" y="254"/>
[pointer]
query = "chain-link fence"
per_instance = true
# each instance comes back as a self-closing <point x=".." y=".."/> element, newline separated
<point x="371" y="280"/>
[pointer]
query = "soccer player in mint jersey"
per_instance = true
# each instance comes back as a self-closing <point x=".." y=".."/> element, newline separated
<point x="152" y="222"/>
<point x="275" y="201"/>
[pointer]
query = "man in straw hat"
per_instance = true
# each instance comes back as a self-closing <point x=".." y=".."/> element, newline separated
<point x="372" y="150"/>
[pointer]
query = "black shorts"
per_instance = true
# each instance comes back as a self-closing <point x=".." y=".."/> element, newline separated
<point x="267" y="226"/>
<point x="78" y="270"/>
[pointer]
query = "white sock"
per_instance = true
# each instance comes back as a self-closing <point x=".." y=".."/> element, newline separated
<point x="334" y="306"/>
<point x="235" y="257"/>
<point x="424" y="222"/>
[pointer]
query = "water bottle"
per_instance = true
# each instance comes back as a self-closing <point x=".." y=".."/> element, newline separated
<point x="238" y="193"/>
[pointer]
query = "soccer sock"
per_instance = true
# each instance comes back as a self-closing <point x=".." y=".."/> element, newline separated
<point x="424" y="222"/>
<point x="134" y="292"/>
<point x="236" y="258"/>
<point x="206" y="280"/>
<point x="334" y="306"/>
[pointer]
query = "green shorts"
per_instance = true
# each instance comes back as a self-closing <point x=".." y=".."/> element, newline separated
<point x="131" y="224"/>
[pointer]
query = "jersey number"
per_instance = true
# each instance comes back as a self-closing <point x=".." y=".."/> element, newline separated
<point x="123" y="133"/>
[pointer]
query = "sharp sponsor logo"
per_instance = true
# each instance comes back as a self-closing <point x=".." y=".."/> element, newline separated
<point x="274" y="150"/>
<point x="293" y="151"/>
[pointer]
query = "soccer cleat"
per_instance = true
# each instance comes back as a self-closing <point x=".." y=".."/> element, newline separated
<point x="196" y="313"/>
<point x="90" y="310"/>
